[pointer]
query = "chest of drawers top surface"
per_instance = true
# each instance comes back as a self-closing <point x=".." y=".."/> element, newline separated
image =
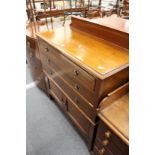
<point x="94" y="54"/>
<point x="116" y="115"/>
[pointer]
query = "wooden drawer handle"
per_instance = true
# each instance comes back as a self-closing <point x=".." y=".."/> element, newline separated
<point x="105" y="142"/>
<point x="76" y="72"/>
<point x="76" y="87"/>
<point x="102" y="150"/>
<point x="46" y="49"/>
<point x="64" y="103"/>
<point x="107" y="134"/>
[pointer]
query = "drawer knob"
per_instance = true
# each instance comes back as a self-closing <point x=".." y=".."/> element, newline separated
<point x="76" y="73"/>
<point x="77" y="87"/>
<point x="46" y="49"/>
<point x="64" y="103"/>
<point x="76" y="100"/>
<point x="105" y="142"/>
<point x="107" y="134"/>
<point x="102" y="150"/>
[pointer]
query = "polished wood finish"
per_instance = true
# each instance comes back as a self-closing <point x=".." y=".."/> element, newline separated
<point x="117" y="114"/>
<point x="81" y="70"/>
<point x="75" y="72"/>
<point x="100" y="60"/>
<point x="112" y="29"/>
<point x="112" y="133"/>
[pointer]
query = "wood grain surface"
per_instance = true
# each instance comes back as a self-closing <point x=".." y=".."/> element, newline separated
<point x="96" y="54"/>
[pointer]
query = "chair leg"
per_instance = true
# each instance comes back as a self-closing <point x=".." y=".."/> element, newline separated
<point x="64" y="21"/>
<point x="52" y="22"/>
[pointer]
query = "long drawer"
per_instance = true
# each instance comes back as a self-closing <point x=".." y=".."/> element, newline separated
<point x="70" y="69"/>
<point x="49" y="67"/>
<point x="81" y="102"/>
<point x="85" y="126"/>
<point x="108" y="139"/>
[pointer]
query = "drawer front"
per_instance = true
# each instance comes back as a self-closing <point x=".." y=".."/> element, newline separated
<point x="83" y="104"/>
<point x="109" y="139"/>
<point x="72" y="70"/>
<point x="49" y="67"/>
<point x="72" y="110"/>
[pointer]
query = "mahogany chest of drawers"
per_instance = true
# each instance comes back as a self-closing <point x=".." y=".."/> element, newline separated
<point x="79" y="75"/>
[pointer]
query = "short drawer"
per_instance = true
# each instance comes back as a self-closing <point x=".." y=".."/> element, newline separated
<point x="85" y="126"/>
<point x="62" y="63"/>
<point x="81" y="102"/>
<point x="109" y="139"/>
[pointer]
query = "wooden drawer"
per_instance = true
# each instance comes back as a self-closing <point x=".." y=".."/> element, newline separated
<point x="85" y="126"/>
<point x="49" y="67"/>
<point x="106" y="136"/>
<point x="82" y="103"/>
<point x="70" y="69"/>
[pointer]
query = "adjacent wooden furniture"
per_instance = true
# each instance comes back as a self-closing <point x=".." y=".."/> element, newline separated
<point x="81" y="69"/>
<point x="57" y="12"/>
<point x="112" y="136"/>
<point x="32" y="53"/>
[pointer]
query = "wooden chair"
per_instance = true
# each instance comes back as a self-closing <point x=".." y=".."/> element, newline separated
<point x="72" y="11"/>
